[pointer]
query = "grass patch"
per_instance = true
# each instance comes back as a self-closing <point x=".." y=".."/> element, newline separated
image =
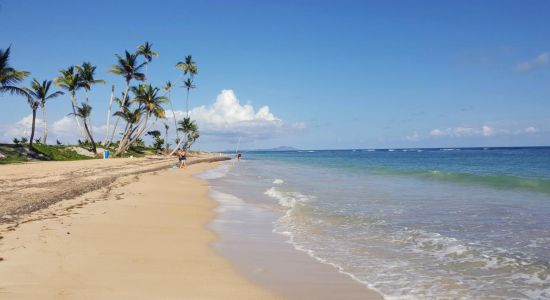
<point x="58" y="152"/>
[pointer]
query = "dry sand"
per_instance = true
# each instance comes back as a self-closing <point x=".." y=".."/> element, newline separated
<point x="143" y="237"/>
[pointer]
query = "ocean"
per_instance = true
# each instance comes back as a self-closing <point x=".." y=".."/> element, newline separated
<point x="457" y="223"/>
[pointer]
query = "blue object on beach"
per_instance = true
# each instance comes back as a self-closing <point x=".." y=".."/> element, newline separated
<point x="106" y="154"/>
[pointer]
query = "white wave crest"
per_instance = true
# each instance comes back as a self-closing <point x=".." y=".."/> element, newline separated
<point x="278" y="181"/>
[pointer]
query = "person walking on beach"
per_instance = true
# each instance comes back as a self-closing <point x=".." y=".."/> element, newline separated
<point x="239" y="155"/>
<point x="182" y="156"/>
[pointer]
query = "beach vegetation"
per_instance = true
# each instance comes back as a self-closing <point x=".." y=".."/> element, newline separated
<point x="10" y="77"/>
<point x="40" y="92"/>
<point x="139" y="107"/>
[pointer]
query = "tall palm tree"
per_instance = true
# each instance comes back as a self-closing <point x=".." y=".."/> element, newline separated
<point x="147" y="52"/>
<point x="41" y="92"/>
<point x="71" y="81"/>
<point x="129" y="68"/>
<point x="9" y="76"/>
<point x="87" y="76"/>
<point x="84" y="112"/>
<point x="188" y="66"/>
<point x="168" y="88"/>
<point x="188" y="85"/>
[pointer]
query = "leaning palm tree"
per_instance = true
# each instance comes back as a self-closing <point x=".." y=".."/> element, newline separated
<point x="147" y="52"/>
<point x="71" y="81"/>
<point x="84" y="112"/>
<point x="40" y="92"/>
<point x="191" y="133"/>
<point x="129" y="68"/>
<point x="168" y="88"/>
<point x="188" y="85"/>
<point x="150" y="103"/>
<point x="9" y="76"/>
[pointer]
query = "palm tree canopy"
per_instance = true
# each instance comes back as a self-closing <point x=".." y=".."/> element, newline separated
<point x="128" y="115"/>
<point x="40" y="91"/>
<point x="86" y="72"/>
<point x="168" y="86"/>
<point x="146" y="51"/>
<point x="84" y="111"/>
<point x="148" y="98"/>
<point x="189" y="84"/>
<point x="186" y="125"/>
<point x="188" y="66"/>
<point x="69" y="80"/>
<point x="10" y="76"/>
<point x="128" y="67"/>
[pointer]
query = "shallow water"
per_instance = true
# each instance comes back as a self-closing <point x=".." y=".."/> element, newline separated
<point x="418" y="224"/>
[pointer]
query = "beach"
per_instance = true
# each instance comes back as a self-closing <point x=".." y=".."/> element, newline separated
<point x="141" y="237"/>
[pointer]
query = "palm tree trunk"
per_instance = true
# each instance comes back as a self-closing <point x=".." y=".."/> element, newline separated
<point x="91" y="137"/>
<point x="166" y="139"/>
<point x="118" y="118"/>
<point x="174" y="114"/>
<point x="32" y="128"/>
<point x="187" y="103"/>
<point x="45" y="121"/>
<point x="74" y="105"/>
<point x="109" y="114"/>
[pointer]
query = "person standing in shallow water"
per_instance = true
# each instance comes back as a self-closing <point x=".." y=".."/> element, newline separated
<point x="239" y="155"/>
<point x="182" y="156"/>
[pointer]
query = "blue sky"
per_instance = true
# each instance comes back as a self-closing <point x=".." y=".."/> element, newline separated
<point x="334" y="74"/>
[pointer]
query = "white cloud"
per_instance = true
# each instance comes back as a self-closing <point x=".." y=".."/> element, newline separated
<point x="531" y="129"/>
<point x="539" y="61"/>
<point x="414" y="137"/>
<point x="462" y="131"/>
<point x="227" y="118"/>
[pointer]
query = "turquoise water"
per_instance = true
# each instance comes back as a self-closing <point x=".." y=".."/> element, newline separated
<point x="412" y="223"/>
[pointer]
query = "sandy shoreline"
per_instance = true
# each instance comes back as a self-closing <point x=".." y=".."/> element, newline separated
<point x="130" y="240"/>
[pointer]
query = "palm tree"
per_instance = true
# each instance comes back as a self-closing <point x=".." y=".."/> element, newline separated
<point x="84" y="112"/>
<point x="86" y="72"/>
<point x="147" y="52"/>
<point x="9" y="76"/>
<point x="40" y="92"/>
<point x="168" y="88"/>
<point x="188" y="84"/>
<point x="71" y="81"/>
<point x="191" y="132"/>
<point x="166" y="127"/>
<point x="87" y="77"/>
<point x="188" y="66"/>
<point x="128" y="68"/>
<point x="150" y="103"/>
<point x="34" y="106"/>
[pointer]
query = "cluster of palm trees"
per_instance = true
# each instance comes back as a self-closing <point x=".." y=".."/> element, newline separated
<point x="139" y="107"/>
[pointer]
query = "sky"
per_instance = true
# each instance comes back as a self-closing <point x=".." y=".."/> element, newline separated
<point x="306" y="74"/>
